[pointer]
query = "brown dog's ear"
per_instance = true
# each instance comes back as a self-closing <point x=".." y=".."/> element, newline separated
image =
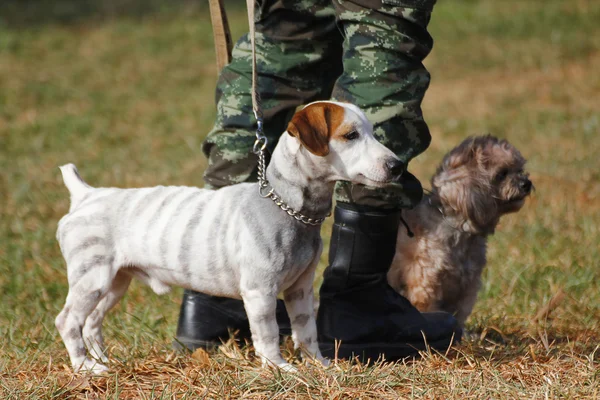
<point x="314" y="125"/>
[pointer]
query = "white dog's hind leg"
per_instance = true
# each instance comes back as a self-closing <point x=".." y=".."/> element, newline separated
<point x="299" y="300"/>
<point x="92" y="330"/>
<point x="83" y="297"/>
<point x="260" y="308"/>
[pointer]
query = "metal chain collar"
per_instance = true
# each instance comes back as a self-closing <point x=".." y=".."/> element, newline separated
<point x="263" y="184"/>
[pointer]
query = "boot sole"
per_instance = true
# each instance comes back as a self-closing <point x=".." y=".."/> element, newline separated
<point x="381" y="351"/>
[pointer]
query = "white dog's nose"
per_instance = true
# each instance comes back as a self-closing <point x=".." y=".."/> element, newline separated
<point x="396" y="167"/>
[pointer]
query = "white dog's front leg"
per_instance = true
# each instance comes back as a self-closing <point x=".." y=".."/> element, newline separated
<point x="299" y="302"/>
<point x="260" y="308"/>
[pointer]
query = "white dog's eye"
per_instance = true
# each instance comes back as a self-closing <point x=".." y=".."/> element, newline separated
<point x="352" y="135"/>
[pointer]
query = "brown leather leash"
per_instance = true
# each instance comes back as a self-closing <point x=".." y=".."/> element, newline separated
<point x="221" y="33"/>
<point x="255" y="96"/>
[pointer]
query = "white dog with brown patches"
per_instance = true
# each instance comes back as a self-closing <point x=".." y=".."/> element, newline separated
<point x="231" y="242"/>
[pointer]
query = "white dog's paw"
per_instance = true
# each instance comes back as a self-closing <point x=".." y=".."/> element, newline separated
<point x="318" y="361"/>
<point x="98" y="354"/>
<point x="287" y="367"/>
<point x="91" y="366"/>
<point x="278" y="363"/>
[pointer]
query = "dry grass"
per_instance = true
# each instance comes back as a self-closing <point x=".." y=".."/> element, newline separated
<point x="482" y="370"/>
<point x="124" y="90"/>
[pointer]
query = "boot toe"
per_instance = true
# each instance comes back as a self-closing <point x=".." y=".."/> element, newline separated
<point x="440" y="325"/>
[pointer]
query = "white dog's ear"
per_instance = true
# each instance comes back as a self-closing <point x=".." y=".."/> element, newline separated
<point x="314" y="125"/>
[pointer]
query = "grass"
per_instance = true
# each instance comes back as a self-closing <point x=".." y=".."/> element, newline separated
<point x="125" y="91"/>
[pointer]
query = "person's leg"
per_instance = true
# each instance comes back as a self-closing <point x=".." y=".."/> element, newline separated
<point x="385" y="44"/>
<point x="299" y="58"/>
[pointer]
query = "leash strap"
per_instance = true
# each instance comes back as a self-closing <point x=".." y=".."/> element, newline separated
<point x="221" y="33"/>
<point x="255" y="97"/>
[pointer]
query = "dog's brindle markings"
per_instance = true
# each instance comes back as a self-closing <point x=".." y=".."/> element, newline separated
<point x="230" y="242"/>
<point x="439" y="269"/>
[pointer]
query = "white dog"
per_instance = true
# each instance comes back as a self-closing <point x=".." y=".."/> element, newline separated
<point x="231" y="242"/>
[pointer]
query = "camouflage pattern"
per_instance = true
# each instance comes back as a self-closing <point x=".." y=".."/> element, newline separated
<point x="371" y="57"/>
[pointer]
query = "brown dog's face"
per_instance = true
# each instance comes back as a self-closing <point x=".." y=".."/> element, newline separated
<point x="482" y="179"/>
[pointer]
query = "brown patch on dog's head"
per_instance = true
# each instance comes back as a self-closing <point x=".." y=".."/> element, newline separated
<point x="316" y="124"/>
<point x="482" y="179"/>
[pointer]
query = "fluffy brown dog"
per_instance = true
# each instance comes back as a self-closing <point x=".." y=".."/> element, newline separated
<point x="440" y="267"/>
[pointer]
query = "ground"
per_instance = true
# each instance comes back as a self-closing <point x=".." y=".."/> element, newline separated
<point x="124" y="89"/>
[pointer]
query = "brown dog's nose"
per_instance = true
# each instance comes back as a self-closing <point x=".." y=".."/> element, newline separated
<point x="526" y="185"/>
<point x="396" y="167"/>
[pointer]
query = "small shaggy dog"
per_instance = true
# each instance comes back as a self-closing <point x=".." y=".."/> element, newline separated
<point x="439" y="269"/>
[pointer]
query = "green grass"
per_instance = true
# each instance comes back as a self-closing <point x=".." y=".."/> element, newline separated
<point x="125" y="91"/>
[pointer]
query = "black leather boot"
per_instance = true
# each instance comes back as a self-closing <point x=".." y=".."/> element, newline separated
<point x="207" y="321"/>
<point x="358" y="307"/>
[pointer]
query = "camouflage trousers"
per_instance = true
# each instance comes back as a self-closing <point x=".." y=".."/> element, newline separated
<point x="366" y="52"/>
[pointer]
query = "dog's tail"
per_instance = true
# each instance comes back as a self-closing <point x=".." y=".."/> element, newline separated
<point x="75" y="184"/>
